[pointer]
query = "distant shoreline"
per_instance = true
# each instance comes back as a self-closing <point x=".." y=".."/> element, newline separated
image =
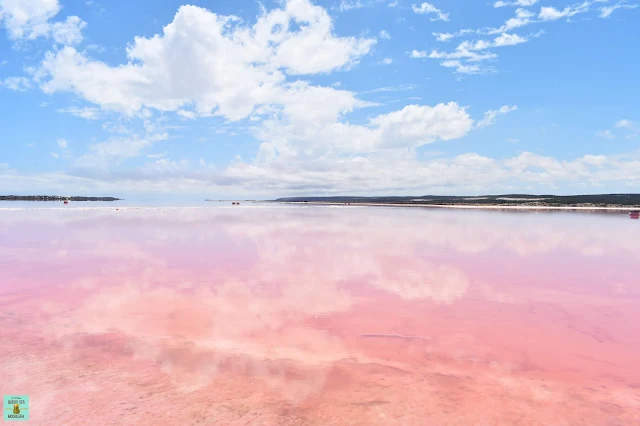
<point x="467" y="206"/>
<point x="54" y="198"/>
<point x="612" y="202"/>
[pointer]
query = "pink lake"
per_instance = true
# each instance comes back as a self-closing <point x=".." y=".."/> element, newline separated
<point x="287" y="315"/>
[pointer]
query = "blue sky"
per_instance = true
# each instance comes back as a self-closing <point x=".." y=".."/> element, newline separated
<point x="242" y="98"/>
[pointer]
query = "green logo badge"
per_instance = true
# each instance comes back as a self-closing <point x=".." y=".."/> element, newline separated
<point x="16" y="407"/>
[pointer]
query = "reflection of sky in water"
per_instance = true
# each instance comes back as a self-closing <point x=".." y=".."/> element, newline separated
<point x="293" y="306"/>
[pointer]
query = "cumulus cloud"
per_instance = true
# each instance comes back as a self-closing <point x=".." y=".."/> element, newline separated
<point x="427" y="8"/>
<point x="68" y="32"/>
<point x="171" y="71"/>
<point x="418" y="125"/>
<point x="384" y="35"/>
<point x="410" y="127"/>
<point x="62" y="143"/>
<point x="30" y="19"/>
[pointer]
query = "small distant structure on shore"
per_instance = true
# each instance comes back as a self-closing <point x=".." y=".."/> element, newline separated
<point x="66" y="201"/>
<point x="634" y="214"/>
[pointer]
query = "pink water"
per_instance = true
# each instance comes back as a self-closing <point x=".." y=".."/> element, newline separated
<point x="320" y="316"/>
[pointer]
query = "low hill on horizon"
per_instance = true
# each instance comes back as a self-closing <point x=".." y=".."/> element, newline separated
<point x="54" y="198"/>
<point x="595" y="200"/>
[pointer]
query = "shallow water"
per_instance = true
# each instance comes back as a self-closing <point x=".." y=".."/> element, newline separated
<point x="288" y="315"/>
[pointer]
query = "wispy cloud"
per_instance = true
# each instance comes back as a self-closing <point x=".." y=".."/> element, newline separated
<point x="346" y="5"/>
<point x="605" y="134"/>
<point x="427" y="8"/>
<point x="491" y="115"/>
<point x="606" y="11"/>
<point x="627" y="128"/>
<point x="397" y="88"/>
<point x="384" y="35"/>
<point x="88" y="113"/>
<point x="521" y="3"/>
<point x="464" y="61"/>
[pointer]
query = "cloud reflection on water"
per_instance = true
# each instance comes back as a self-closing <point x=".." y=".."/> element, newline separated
<point x="206" y="294"/>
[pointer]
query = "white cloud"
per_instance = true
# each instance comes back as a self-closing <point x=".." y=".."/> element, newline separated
<point x="410" y="127"/>
<point x="393" y="171"/>
<point x="624" y="124"/>
<point x="460" y="67"/>
<point x="491" y="115"/>
<point x="111" y="152"/>
<point x="605" y="134"/>
<point x="549" y="13"/>
<point x="68" y="32"/>
<point x="418" y="54"/>
<point x="627" y="128"/>
<point x="172" y="70"/>
<point x="428" y="8"/>
<point x="386" y="61"/>
<point x="418" y="125"/>
<point x="346" y="5"/>
<point x="467" y="55"/>
<point x="62" y="143"/>
<point x="28" y="18"/>
<point x="508" y="40"/>
<point x="187" y="114"/>
<point x="393" y="3"/>
<point x="467" y="51"/>
<point x="449" y="36"/>
<point x="521" y="3"/>
<point x="19" y="84"/>
<point x="87" y="113"/>
<point x="55" y="155"/>
<point x="384" y="35"/>
<point x="523" y="17"/>
<point x="396" y="88"/>
<point x="157" y="155"/>
<point x="465" y="63"/>
<point x="350" y="4"/>
<point x="443" y="36"/>
<point x="606" y="11"/>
